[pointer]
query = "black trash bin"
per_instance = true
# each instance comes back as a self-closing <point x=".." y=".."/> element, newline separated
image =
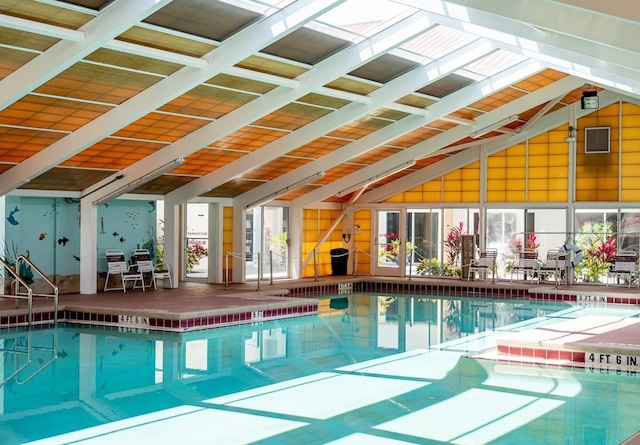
<point x="339" y="259"/>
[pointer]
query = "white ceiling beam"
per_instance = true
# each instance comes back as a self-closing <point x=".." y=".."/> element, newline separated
<point x="330" y="68"/>
<point x="65" y="53"/>
<point x="459" y="160"/>
<point x="235" y="49"/>
<point x="620" y="35"/>
<point x="453" y="102"/>
<point x="442" y="140"/>
<point x="399" y="87"/>
<point x="43" y="29"/>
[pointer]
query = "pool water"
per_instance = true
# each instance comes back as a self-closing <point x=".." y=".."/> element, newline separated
<point x="368" y="369"/>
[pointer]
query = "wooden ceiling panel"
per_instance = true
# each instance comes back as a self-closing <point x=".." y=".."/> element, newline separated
<point x="233" y="188"/>
<point x="265" y="65"/>
<point x="248" y="139"/>
<point x="133" y="62"/>
<point x="19" y="144"/>
<point x="154" y="38"/>
<point x="11" y="60"/>
<point x="319" y="147"/>
<point x="238" y="83"/>
<point x="322" y="100"/>
<point x="66" y="179"/>
<point x="161" y="127"/>
<point x="50" y="113"/>
<point x="352" y="86"/>
<point x="291" y="117"/>
<point x="207" y="102"/>
<point x="91" y="82"/>
<point x="163" y="184"/>
<point x="113" y="154"/>
<point x="23" y="39"/>
<point x="44" y="13"/>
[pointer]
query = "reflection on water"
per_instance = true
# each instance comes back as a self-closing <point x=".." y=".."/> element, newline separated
<point x="366" y="367"/>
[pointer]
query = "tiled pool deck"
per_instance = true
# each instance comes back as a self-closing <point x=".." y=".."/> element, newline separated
<point x="194" y="306"/>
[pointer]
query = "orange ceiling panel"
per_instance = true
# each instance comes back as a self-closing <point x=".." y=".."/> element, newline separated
<point x="50" y="113"/>
<point x="539" y="80"/>
<point x="425" y="162"/>
<point x="19" y="144"/>
<point x="357" y="129"/>
<point x="319" y="147"/>
<point x="339" y="172"/>
<point x="375" y="155"/>
<point x="11" y="60"/>
<point x="497" y="99"/>
<point x="133" y="62"/>
<point x="45" y="13"/>
<point x="161" y="127"/>
<point x="207" y="160"/>
<point x="275" y="168"/>
<point x="248" y="139"/>
<point x="415" y="137"/>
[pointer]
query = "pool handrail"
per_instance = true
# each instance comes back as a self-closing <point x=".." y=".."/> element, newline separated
<point x="45" y="279"/>
<point x="17" y="296"/>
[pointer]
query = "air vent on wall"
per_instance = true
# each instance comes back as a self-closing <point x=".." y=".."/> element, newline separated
<point x="596" y="140"/>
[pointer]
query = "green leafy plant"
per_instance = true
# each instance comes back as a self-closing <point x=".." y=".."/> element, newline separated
<point x="597" y="260"/>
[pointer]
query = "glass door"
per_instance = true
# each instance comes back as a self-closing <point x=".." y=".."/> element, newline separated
<point x="268" y="242"/>
<point x="196" y="241"/>
<point x="389" y="245"/>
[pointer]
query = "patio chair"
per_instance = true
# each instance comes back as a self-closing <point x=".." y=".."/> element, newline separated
<point x="554" y="266"/>
<point x="117" y="266"/>
<point x="155" y="271"/>
<point x="526" y="264"/>
<point x="624" y="266"/>
<point x="485" y="263"/>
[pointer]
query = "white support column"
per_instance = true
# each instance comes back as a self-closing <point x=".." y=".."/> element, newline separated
<point x="239" y="242"/>
<point x="216" y="243"/>
<point x="295" y="242"/>
<point x="89" y="247"/>
<point x="172" y="241"/>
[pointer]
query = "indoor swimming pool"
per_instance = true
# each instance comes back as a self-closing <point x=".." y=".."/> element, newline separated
<point x="368" y="369"/>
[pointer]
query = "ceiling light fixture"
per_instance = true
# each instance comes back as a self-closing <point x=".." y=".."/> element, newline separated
<point x="376" y="178"/>
<point x="282" y="191"/>
<point x="494" y="126"/>
<point x="139" y="181"/>
<point x="589" y="99"/>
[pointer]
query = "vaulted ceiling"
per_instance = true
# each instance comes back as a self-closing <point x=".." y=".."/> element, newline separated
<point x="303" y="101"/>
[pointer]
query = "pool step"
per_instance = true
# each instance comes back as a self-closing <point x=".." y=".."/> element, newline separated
<point x="604" y="342"/>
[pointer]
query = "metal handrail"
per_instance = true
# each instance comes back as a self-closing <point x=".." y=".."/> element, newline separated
<point x="18" y="296"/>
<point x="45" y="279"/>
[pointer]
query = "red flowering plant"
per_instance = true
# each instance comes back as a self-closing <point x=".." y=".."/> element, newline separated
<point x="453" y="242"/>
<point x="195" y="252"/>
<point x="532" y="241"/>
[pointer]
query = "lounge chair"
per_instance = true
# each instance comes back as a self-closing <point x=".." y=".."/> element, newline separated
<point x="117" y="266"/>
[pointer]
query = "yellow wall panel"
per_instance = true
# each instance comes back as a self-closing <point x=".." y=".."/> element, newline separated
<point x="496" y="195"/>
<point x="538" y="172"/>
<point x="515" y="196"/>
<point x="538" y="196"/>
<point x="413" y="196"/>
